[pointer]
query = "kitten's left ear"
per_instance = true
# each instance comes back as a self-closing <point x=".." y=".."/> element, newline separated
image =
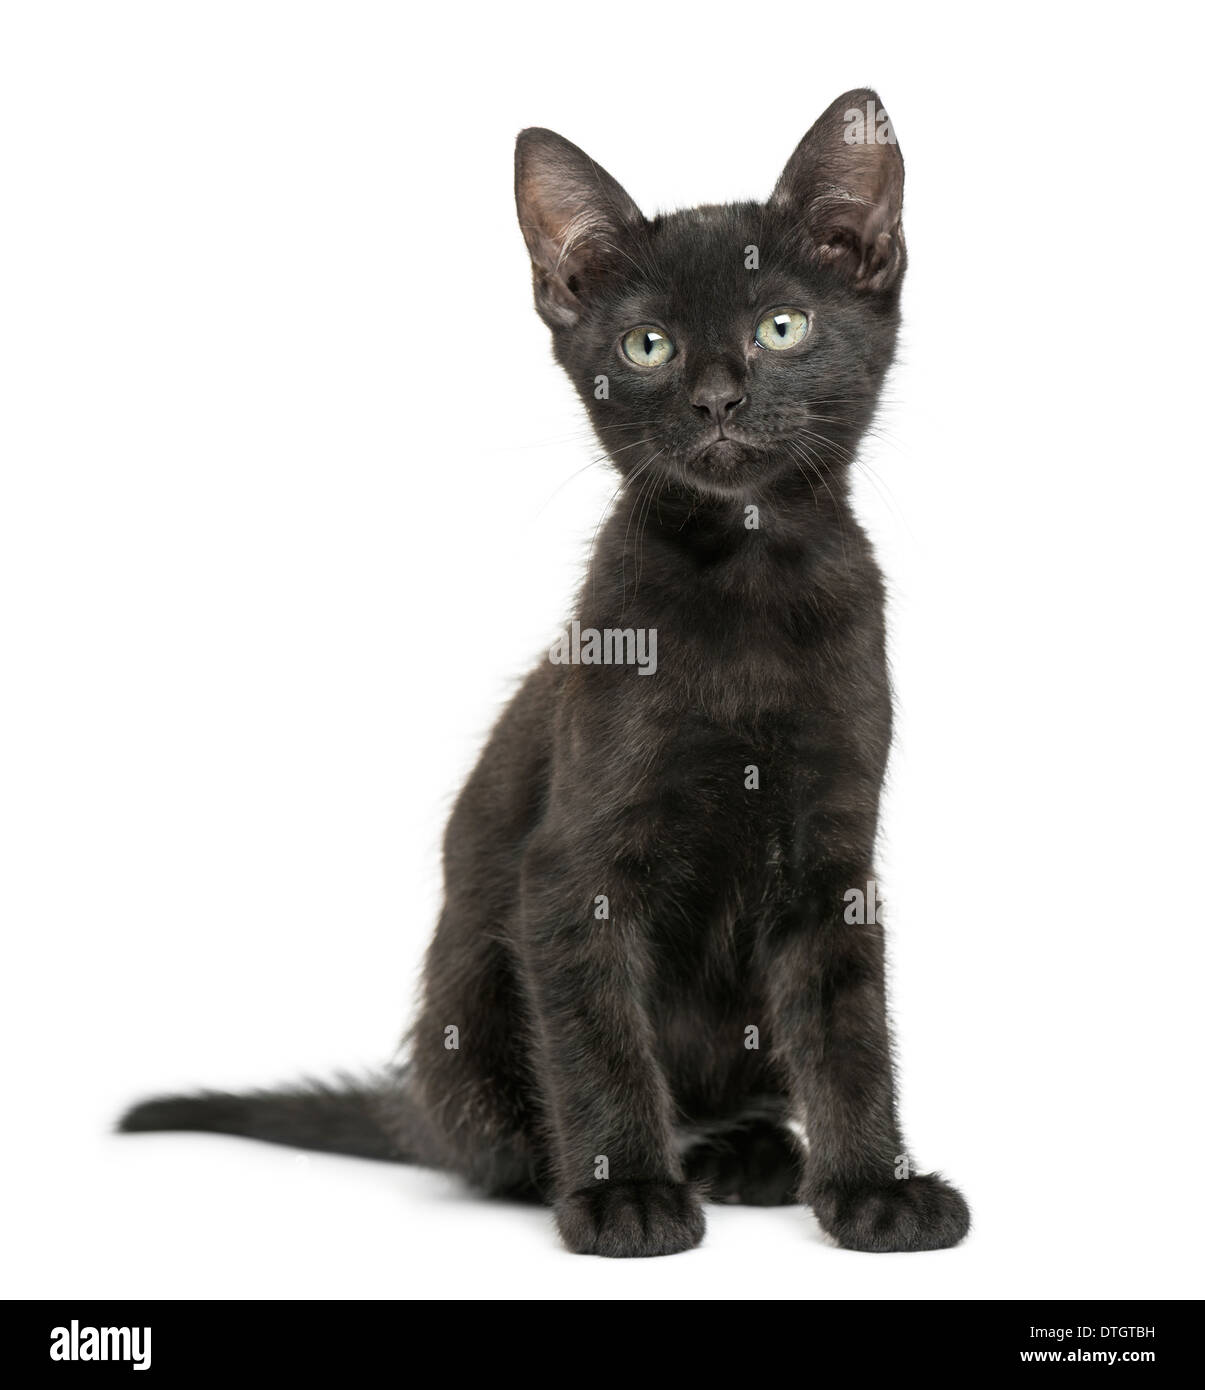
<point x="574" y="218"/>
<point x="845" y="186"/>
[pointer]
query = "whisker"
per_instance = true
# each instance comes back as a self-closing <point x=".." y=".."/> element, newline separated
<point x="642" y="526"/>
<point x="557" y="490"/>
<point x="623" y="582"/>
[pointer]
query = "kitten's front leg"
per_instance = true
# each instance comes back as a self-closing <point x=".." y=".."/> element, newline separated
<point x="826" y="988"/>
<point x="619" y="1187"/>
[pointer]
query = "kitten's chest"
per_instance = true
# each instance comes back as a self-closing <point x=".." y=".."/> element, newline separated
<point x="754" y="678"/>
<point x="729" y="734"/>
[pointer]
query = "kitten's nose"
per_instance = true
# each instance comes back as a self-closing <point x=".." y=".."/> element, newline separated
<point x="718" y="395"/>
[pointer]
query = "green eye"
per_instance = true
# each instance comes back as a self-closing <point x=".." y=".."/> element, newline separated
<point x="647" y="347"/>
<point x="782" y="329"/>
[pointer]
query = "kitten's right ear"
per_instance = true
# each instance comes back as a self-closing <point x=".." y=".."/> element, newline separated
<point x="574" y="218"/>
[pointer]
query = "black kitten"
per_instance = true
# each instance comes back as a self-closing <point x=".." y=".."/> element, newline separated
<point x="660" y="958"/>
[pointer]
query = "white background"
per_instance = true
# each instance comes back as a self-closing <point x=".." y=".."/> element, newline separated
<point x="291" y="499"/>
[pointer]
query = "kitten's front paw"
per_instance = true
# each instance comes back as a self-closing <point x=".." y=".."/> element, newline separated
<point x="631" y="1219"/>
<point x="920" y="1213"/>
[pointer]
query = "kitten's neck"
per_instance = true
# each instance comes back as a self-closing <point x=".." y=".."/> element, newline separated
<point x="772" y="549"/>
<point x="795" y="514"/>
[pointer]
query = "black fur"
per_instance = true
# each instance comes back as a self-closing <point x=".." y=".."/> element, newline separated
<point x="604" y="1062"/>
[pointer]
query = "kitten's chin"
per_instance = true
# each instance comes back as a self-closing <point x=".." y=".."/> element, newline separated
<point x="726" y="468"/>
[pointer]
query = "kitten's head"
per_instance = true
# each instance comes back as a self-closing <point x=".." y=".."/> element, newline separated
<point x="725" y="347"/>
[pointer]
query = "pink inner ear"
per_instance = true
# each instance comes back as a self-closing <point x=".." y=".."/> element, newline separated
<point x="871" y="264"/>
<point x="573" y="215"/>
<point x="858" y="235"/>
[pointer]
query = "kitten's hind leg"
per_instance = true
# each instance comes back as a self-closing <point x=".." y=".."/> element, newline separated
<point x="754" y="1160"/>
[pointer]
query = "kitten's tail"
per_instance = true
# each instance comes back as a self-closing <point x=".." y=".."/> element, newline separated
<point x="379" y="1120"/>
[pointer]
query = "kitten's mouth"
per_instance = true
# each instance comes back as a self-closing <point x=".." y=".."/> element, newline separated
<point x="722" y="465"/>
<point x="722" y="449"/>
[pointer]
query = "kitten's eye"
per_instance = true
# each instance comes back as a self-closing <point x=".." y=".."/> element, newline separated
<point x="782" y="329"/>
<point x="647" y="347"/>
